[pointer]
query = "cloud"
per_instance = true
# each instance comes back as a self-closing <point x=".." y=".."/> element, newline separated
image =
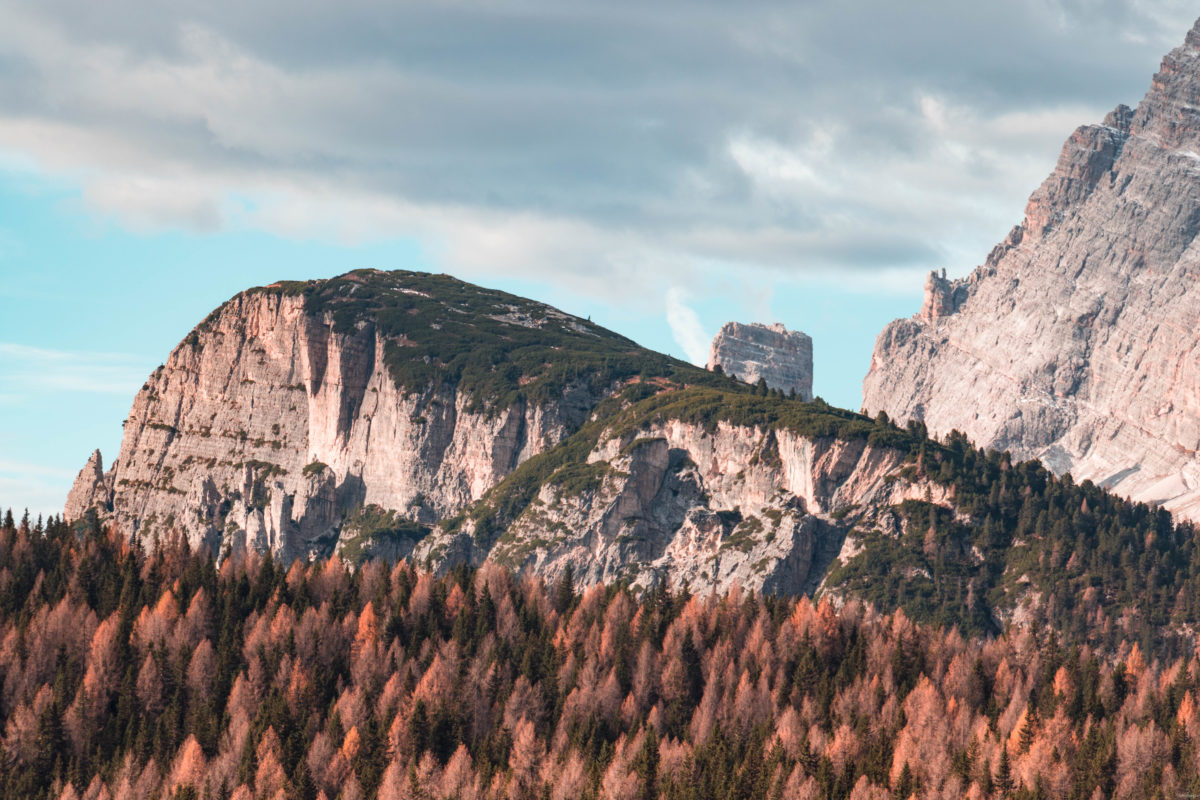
<point x="26" y="370"/>
<point x="576" y="143"/>
<point x="40" y="496"/>
<point x="9" y="467"/>
<point x="686" y="328"/>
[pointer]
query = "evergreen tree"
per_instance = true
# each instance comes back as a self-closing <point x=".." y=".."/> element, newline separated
<point x="1004" y="780"/>
<point x="564" y="594"/>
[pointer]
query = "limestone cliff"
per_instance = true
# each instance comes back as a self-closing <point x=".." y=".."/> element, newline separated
<point x="782" y="358"/>
<point x="1076" y="341"/>
<point x="294" y="405"/>
<point x="700" y="502"/>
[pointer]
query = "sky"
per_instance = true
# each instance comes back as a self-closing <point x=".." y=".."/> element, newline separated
<point x="661" y="167"/>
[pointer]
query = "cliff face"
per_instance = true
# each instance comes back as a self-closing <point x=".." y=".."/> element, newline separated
<point x="275" y="418"/>
<point x="783" y="358"/>
<point x="694" y="503"/>
<point x="1076" y="341"/>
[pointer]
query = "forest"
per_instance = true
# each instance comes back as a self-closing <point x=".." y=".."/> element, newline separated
<point x="163" y="674"/>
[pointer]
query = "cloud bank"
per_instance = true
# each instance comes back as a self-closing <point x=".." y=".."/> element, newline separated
<point x="592" y="144"/>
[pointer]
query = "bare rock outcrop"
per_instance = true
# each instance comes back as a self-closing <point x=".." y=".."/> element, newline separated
<point x="783" y="358"/>
<point x="91" y="488"/>
<point x="1077" y="341"/>
<point x="700" y="506"/>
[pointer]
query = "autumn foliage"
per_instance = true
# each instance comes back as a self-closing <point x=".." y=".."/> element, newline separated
<point x="165" y="675"/>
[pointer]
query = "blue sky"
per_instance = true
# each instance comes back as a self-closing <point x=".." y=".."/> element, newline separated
<point x="661" y="168"/>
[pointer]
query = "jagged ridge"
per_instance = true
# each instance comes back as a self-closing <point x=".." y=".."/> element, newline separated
<point x="1075" y="342"/>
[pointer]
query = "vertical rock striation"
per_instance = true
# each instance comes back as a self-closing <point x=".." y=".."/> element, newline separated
<point x="783" y="358"/>
<point x="91" y="488"/>
<point x="1076" y="341"/>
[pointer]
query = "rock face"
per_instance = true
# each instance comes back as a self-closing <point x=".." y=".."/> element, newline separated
<point x="91" y="488"/>
<point x="771" y="352"/>
<point x="1078" y="340"/>
<point x="280" y="415"/>
<point x="702" y="506"/>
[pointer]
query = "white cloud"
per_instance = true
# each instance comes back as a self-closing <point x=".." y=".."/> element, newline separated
<point x="779" y="169"/>
<point x="686" y="328"/>
<point x="40" y="496"/>
<point x="575" y="145"/>
<point x="30" y="369"/>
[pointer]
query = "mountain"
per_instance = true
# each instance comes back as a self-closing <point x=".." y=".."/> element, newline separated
<point x="1076" y="341"/>
<point x="772" y="353"/>
<point x="293" y="405"/>
<point x="404" y="415"/>
<point x="371" y="414"/>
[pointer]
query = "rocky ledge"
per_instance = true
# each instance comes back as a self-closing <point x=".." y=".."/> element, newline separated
<point x="782" y="358"/>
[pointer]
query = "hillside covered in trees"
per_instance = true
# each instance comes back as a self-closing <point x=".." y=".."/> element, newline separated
<point x="981" y="540"/>
<point x="399" y="414"/>
<point x="126" y="674"/>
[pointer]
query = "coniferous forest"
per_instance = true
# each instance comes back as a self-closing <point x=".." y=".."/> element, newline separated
<point x="163" y="674"/>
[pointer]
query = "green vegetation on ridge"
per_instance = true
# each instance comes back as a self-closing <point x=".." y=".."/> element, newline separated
<point x="495" y="346"/>
<point x="631" y="412"/>
<point x="1097" y="567"/>
<point x="370" y="524"/>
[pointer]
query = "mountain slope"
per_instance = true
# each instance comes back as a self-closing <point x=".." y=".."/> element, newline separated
<point x="709" y="489"/>
<point x="1076" y="342"/>
<point x="694" y="486"/>
<point x="292" y="405"/>
<point x="399" y="414"/>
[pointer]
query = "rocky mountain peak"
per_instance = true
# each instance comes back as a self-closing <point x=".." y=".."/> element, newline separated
<point x="1168" y="111"/>
<point x="90" y="488"/>
<point x="1075" y="342"/>
<point x="942" y="297"/>
<point x="756" y="351"/>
